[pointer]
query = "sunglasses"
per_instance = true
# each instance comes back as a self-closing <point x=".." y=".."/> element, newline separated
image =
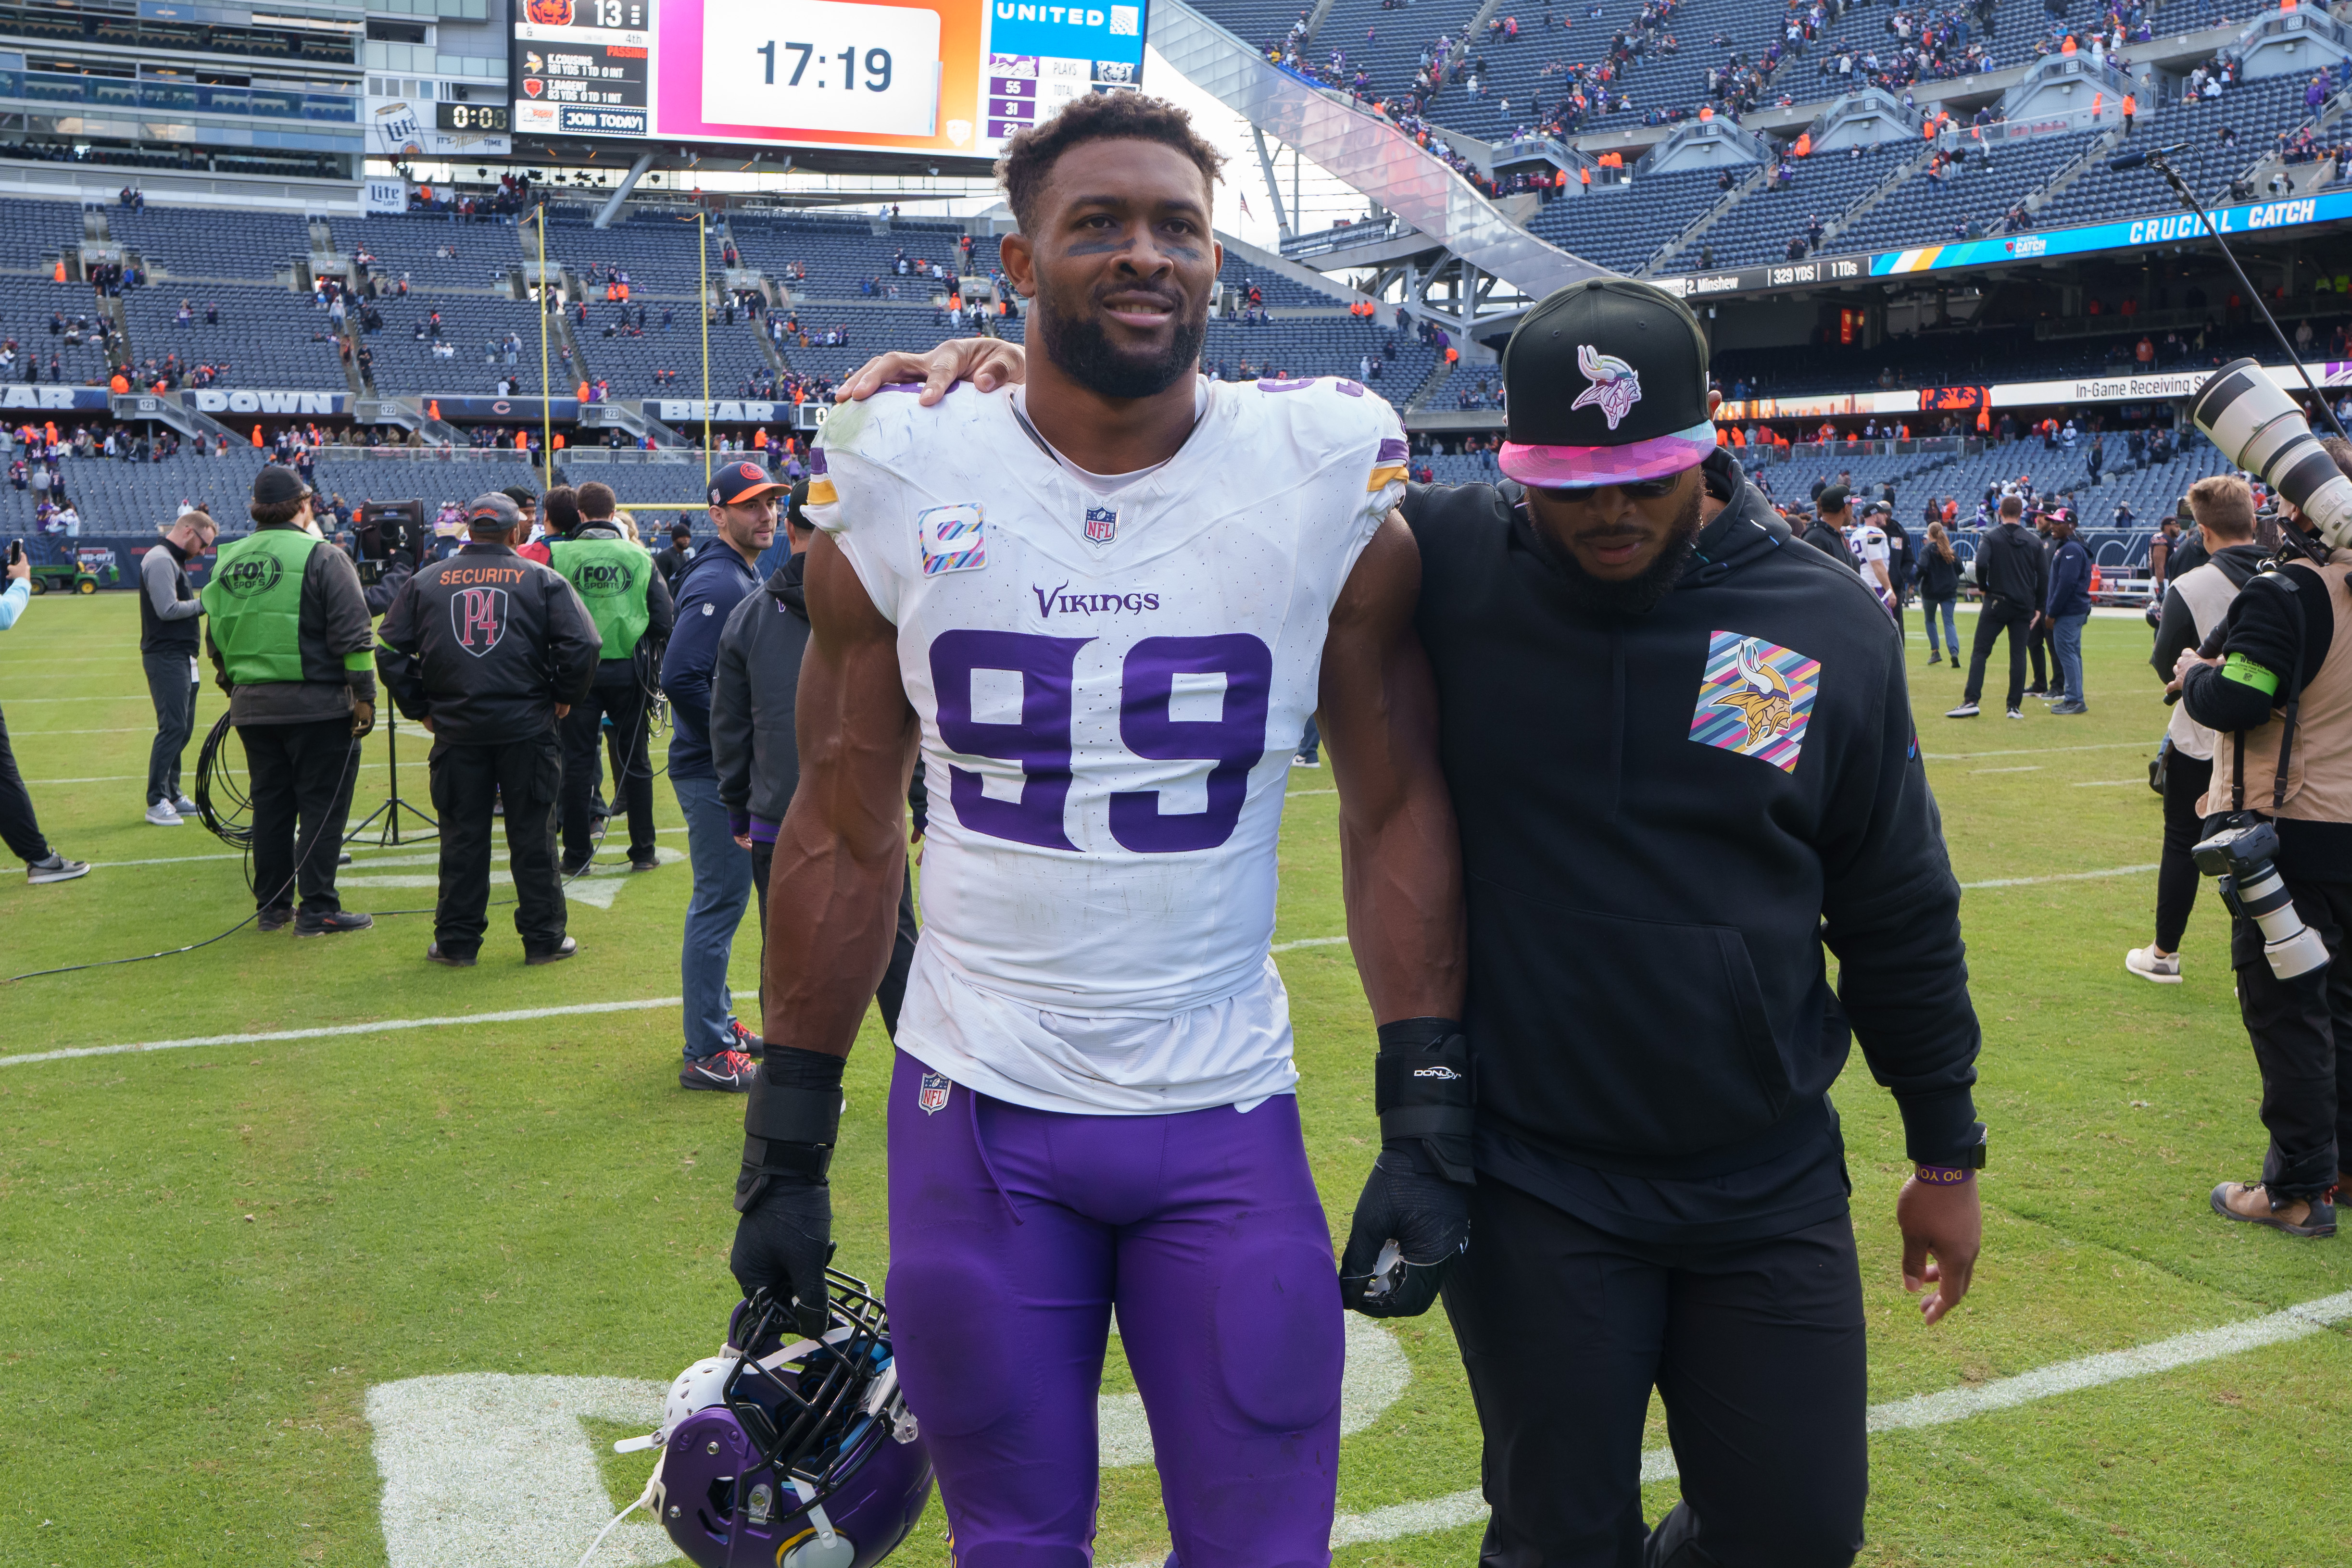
<point x="1635" y="489"/>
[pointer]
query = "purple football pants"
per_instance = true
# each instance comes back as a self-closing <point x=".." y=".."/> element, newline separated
<point x="1012" y="1235"/>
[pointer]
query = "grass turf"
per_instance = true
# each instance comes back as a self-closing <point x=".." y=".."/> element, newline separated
<point x="208" y="1256"/>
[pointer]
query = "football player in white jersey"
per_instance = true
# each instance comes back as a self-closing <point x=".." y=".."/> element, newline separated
<point x="1098" y="609"/>
<point x="1866" y="541"/>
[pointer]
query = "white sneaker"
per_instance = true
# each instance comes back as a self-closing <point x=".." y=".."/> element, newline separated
<point x="2017" y="712"/>
<point x="162" y="815"/>
<point x="186" y="808"/>
<point x="1966" y="710"/>
<point x="2143" y="962"/>
<point x="1302" y="760"/>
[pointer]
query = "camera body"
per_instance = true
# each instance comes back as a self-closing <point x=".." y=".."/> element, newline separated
<point x="386" y="531"/>
<point x="2243" y="856"/>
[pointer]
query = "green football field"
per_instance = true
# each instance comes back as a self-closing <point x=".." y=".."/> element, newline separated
<point x="353" y="1274"/>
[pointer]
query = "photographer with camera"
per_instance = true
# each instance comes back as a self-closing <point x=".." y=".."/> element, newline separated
<point x="292" y="643"/>
<point x="2193" y="604"/>
<point x="2279" y="831"/>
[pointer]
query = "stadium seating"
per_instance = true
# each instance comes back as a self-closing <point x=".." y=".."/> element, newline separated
<point x="1925" y="210"/>
<point x="2255" y="111"/>
<point x="1622" y="226"/>
<point x="265" y="336"/>
<point x="1758" y="226"/>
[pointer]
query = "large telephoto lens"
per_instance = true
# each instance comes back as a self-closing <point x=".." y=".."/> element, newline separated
<point x="2291" y="948"/>
<point x="2262" y="430"/>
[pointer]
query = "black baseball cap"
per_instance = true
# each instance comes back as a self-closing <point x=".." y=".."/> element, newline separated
<point x="277" y="483"/>
<point x="740" y="482"/>
<point x="796" y="508"/>
<point x="1834" y="499"/>
<point x="521" y="496"/>
<point x="1606" y="384"/>
<point x="497" y="506"/>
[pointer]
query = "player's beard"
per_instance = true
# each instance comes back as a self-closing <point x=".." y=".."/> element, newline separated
<point x="1639" y="594"/>
<point x="1079" y="346"/>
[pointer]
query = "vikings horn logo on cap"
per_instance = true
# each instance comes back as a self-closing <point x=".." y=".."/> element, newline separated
<point x="1616" y="385"/>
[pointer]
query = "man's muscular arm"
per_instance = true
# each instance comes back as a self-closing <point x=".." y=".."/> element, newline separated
<point x="831" y="915"/>
<point x="1400" y="870"/>
<point x="832" y="889"/>
<point x="1399" y="857"/>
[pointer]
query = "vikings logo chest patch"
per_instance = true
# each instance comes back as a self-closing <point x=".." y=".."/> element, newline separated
<point x="1756" y="698"/>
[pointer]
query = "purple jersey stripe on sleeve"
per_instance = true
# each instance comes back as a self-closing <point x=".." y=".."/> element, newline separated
<point x="817" y="462"/>
<point x="1391" y="451"/>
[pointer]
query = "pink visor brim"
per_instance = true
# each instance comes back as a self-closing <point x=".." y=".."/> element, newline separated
<point x="1581" y="467"/>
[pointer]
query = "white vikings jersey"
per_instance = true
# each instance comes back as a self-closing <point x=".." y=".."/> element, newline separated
<point x="1110" y="689"/>
<point x="1867" y="542"/>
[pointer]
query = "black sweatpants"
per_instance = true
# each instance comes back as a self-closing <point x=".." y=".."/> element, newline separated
<point x="172" y="687"/>
<point x="2302" y="1031"/>
<point x="892" y="992"/>
<point x="618" y="693"/>
<point x="2041" y="645"/>
<point x="2185" y="781"/>
<point x="298" y="772"/>
<point x="1756" y="1348"/>
<point x="1994" y="616"/>
<point x="528" y="775"/>
<point x="20" y="830"/>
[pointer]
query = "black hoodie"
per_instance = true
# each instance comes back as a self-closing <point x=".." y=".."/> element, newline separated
<point x="1665" y="817"/>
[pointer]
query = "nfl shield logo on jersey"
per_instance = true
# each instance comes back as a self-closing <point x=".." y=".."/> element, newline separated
<point x="1102" y="525"/>
<point x="933" y="1096"/>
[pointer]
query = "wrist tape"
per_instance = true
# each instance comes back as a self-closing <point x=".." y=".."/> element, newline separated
<point x="792" y="1116"/>
<point x="1423" y="1091"/>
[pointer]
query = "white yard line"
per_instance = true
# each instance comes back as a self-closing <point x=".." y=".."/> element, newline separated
<point x="384" y="1026"/>
<point x="1308" y="942"/>
<point x="2062" y="876"/>
<point x="2029" y="768"/>
<point x="2036" y="750"/>
<point x="1462" y="1508"/>
<point x="2109" y="783"/>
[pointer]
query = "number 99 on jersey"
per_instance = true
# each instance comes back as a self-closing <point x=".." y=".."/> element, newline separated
<point x="821" y="64"/>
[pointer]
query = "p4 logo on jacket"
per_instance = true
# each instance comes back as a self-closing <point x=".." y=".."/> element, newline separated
<point x="953" y="539"/>
<point x="1756" y="698"/>
<point x="477" y="618"/>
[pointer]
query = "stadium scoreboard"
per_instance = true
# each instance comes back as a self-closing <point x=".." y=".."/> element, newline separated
<point x="953" y="77"/>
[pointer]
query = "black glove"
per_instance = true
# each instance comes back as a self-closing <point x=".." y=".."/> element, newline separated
<point x="784" y="1240"/>
<point x="781" y="1243"/>
<point x="1418" y="1196"/>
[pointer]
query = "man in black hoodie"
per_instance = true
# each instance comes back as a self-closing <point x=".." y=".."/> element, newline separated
<point x="754" y="689"/>
<point x="1681" y="754"/>
<point x="2013" y="575"/>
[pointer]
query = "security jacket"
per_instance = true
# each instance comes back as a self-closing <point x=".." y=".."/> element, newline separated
<point x="486" y="644"/>
<point x="1665" y="818"/>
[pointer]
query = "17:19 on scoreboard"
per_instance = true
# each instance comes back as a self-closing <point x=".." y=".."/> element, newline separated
<point x="822" y="64"/>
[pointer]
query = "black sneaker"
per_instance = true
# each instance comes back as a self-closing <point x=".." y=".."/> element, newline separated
<point x="341" y="921"/>
<point x="650" y="862"/>
<point x="276" y="918"/>
<point x="726" y="1071"/>
<point x="2037" y="691"/>
<point x="56" y="868"/>
<point x="450" y="960"/>
<point x="750" y="1044"/>
<point x="576" y="868"/>
<point x="555" y="955"/>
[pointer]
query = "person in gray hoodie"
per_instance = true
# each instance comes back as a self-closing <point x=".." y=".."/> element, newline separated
<point x="752" y="745"/>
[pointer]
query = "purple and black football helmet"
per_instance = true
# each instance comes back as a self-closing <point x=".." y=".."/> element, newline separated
<point x="798" y="1455"/>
